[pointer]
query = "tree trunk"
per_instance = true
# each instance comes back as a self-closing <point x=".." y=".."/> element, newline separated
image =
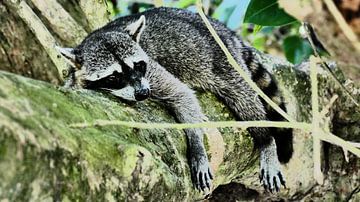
<point x="43" y="158"/>
<point x="20" y="51"/>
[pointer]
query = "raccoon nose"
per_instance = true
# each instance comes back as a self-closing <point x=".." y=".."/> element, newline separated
<point x="142" y="94"/>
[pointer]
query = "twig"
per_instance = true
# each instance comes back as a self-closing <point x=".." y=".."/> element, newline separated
<point x="318" y="175"/>
<point x="218" y="124"/>
<point x="325" y="65"/>
<point x="355" y="144"/>
<point x="326" y="109"/>
<point x="325" y="136"/>
<point x="335" y="140"/>
<point x="348" y="32"/>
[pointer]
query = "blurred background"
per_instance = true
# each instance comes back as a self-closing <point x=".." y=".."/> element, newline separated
<point x="274" y="39"/>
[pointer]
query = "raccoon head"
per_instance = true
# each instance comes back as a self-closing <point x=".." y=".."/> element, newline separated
<point x="111" y="61"/>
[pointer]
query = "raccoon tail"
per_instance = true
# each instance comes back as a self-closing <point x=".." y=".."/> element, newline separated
<point x="283" y="136"/>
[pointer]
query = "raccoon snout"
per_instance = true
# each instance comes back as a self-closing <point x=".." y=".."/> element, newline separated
<point x="142" y="94"/>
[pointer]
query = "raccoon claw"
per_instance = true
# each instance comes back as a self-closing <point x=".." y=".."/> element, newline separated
<point x="201" y="173"/>
<point x="272" y="179"/>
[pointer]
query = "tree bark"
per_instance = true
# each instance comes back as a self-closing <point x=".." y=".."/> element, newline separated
<point x="43" y="158"/>
<point x="20" y="51"/>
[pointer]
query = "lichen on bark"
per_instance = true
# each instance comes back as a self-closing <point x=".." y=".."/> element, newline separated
<point x="41" y="157"/>
<point x="41" y="150"/>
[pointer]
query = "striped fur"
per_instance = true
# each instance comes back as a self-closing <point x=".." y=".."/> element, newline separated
<point x="266" y="82"/>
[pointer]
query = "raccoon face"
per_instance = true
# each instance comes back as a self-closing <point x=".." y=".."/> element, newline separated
<point x="112" y="61"/>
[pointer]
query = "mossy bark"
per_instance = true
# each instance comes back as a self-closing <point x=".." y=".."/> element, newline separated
<point x="42" y="158"/>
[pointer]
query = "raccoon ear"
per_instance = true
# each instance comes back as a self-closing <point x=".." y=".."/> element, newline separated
<point x="69" y="55"/>
<point x="136" y="28"/>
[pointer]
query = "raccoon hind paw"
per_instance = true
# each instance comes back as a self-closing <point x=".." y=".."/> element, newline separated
<point x="201" y="174"/>
<point x="272" y="178"/>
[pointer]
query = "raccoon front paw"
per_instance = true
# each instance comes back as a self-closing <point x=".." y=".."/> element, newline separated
<point x="271" y="177"/>
<point x="201" y="174"/>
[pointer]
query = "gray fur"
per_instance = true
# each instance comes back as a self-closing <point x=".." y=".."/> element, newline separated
<point x="270" y="176"/>
<point x="179" y="53"/>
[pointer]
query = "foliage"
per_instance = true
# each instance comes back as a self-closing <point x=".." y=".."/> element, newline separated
<point x="231" y="12"/>
<point x="258" y="20"/>
<point x="296" y="49"/>
<point x="267" y="13"/>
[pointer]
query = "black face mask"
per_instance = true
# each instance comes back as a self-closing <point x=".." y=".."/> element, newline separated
<point x="118" y="80"/>
<point x="114" y="81"/>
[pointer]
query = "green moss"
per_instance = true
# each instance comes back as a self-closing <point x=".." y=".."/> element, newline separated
<point x="84" y="160"/>
<point x="95" y="163"/>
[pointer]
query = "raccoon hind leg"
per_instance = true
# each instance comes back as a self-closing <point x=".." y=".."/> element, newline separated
<point x="247" y="106"/>
<point x="266" y="82"/>
<point x="283" y="136"/>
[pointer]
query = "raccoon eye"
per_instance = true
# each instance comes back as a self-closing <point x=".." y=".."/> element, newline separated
<point x="111" y="78"/>
<point x="140" y="66"/>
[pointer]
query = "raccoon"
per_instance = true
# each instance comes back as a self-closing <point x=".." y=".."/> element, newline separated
<point x="165" y="54"/>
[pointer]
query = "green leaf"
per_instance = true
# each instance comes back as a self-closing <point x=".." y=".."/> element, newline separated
<point x="267" y="13"/>
<point x="184" y="3"/>
<point x="296" y="49"/>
